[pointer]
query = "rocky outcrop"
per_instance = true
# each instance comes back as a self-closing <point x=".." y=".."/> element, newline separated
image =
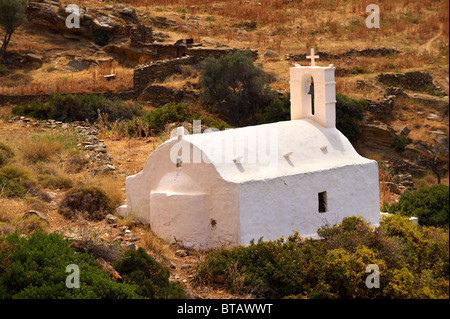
<point x="377" y="136"/>
<point x="381" y="109"/>
<point x="116" y="20"/>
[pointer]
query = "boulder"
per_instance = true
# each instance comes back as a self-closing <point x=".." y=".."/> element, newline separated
<point x="111" y="219"/>
<point x="128" y="14"/>
<point x="31" y="57"/>
<point x="377" y="136"/>
<point x="39" y="214"/>
<point x="106" y="23"/>
<point x="269" y="54"/>
<point x="77" y="65"/>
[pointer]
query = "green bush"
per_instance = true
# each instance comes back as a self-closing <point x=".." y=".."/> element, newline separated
<point x="54" y="181"/>
<point x="35" y="268"/>
<point x="277" y="110"/>
<point x="15" y="182"/>
<point x="3" y="69"/>
<point x="413" y="263"/>
<point x="78" y="107"/>
<point x="152" y="279"/>
<point x="156" y="120"/>
<point x="429" y="204"/>
<point x="400" y="143"/>
<point x="92" y="202"/>
<point x="5" y="153"/>
<point x="348" y="114"/>
<point x="235" y="87"/>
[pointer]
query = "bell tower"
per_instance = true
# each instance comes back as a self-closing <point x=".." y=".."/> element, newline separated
<point x="313" y="93"/>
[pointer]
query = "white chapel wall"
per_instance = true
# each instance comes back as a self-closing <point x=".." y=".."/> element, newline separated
<point x="277" y="207"/>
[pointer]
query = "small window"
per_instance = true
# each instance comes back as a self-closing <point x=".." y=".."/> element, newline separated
<point x="323" y="205"/>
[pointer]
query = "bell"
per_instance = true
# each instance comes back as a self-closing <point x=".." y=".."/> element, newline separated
<point x="311" y="89"/>
<point x="311" y="92"/>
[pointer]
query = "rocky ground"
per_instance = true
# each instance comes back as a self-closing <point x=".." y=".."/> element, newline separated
<point x="404" y="77"/>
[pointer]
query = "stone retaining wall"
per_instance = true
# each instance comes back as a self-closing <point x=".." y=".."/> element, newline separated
<point x="145" y="74"/>
<point x="158" y="71"/>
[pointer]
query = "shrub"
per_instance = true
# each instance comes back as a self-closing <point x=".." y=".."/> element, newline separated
<point x="3" y="69"/>
<point x="42" y="147"/>
<point x="277" y="110"/>
<point x="28" y="225"/>
<point x="413" y="263"/>
<point x="55" y="182"/>
<point x="5" y="153"/>
<point x="400" y="143"/>
<point x="90" y="201"/>
<point x="138" y="268"/>
<point x="156" y="120"/>
<point x="35" y="267"/>
<point x="348" y="116"/>
<point x="235" y="87"/>
<point x="36" y="109"/>
<point x="91" y="243"/>
<point x="78" y="107"/>
<point x="429" y="204"/>
<point x="15" y="182"/>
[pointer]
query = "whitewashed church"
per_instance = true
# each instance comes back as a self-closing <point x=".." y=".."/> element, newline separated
<point x="229" y="187"/>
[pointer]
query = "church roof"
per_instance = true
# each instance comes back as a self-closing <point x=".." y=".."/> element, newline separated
<point x="274" y="150"/>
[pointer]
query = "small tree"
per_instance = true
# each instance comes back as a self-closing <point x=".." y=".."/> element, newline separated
<point x="12" y="15"/>
<point x="237" y="87"/>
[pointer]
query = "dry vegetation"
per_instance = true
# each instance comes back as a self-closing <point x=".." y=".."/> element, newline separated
<point x="419" y="30"/>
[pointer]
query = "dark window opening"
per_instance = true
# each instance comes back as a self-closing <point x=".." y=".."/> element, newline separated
<point x="311" y="92"/>
<point x="323" y="205"/>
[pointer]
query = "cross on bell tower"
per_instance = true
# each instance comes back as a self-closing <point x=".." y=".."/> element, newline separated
<point x="313" y="94"/>
<point x="312" y="57"/>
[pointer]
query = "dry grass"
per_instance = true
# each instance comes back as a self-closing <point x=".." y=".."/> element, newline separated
<point x="11" y="218"/>
<point x="283" y="26"/>
<point x="80" y="82"/>
<point x="11" y="208"/>
<point x="40" y="149"/>
<point x="156" y="246"/>
<point x="111" y="184"/>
